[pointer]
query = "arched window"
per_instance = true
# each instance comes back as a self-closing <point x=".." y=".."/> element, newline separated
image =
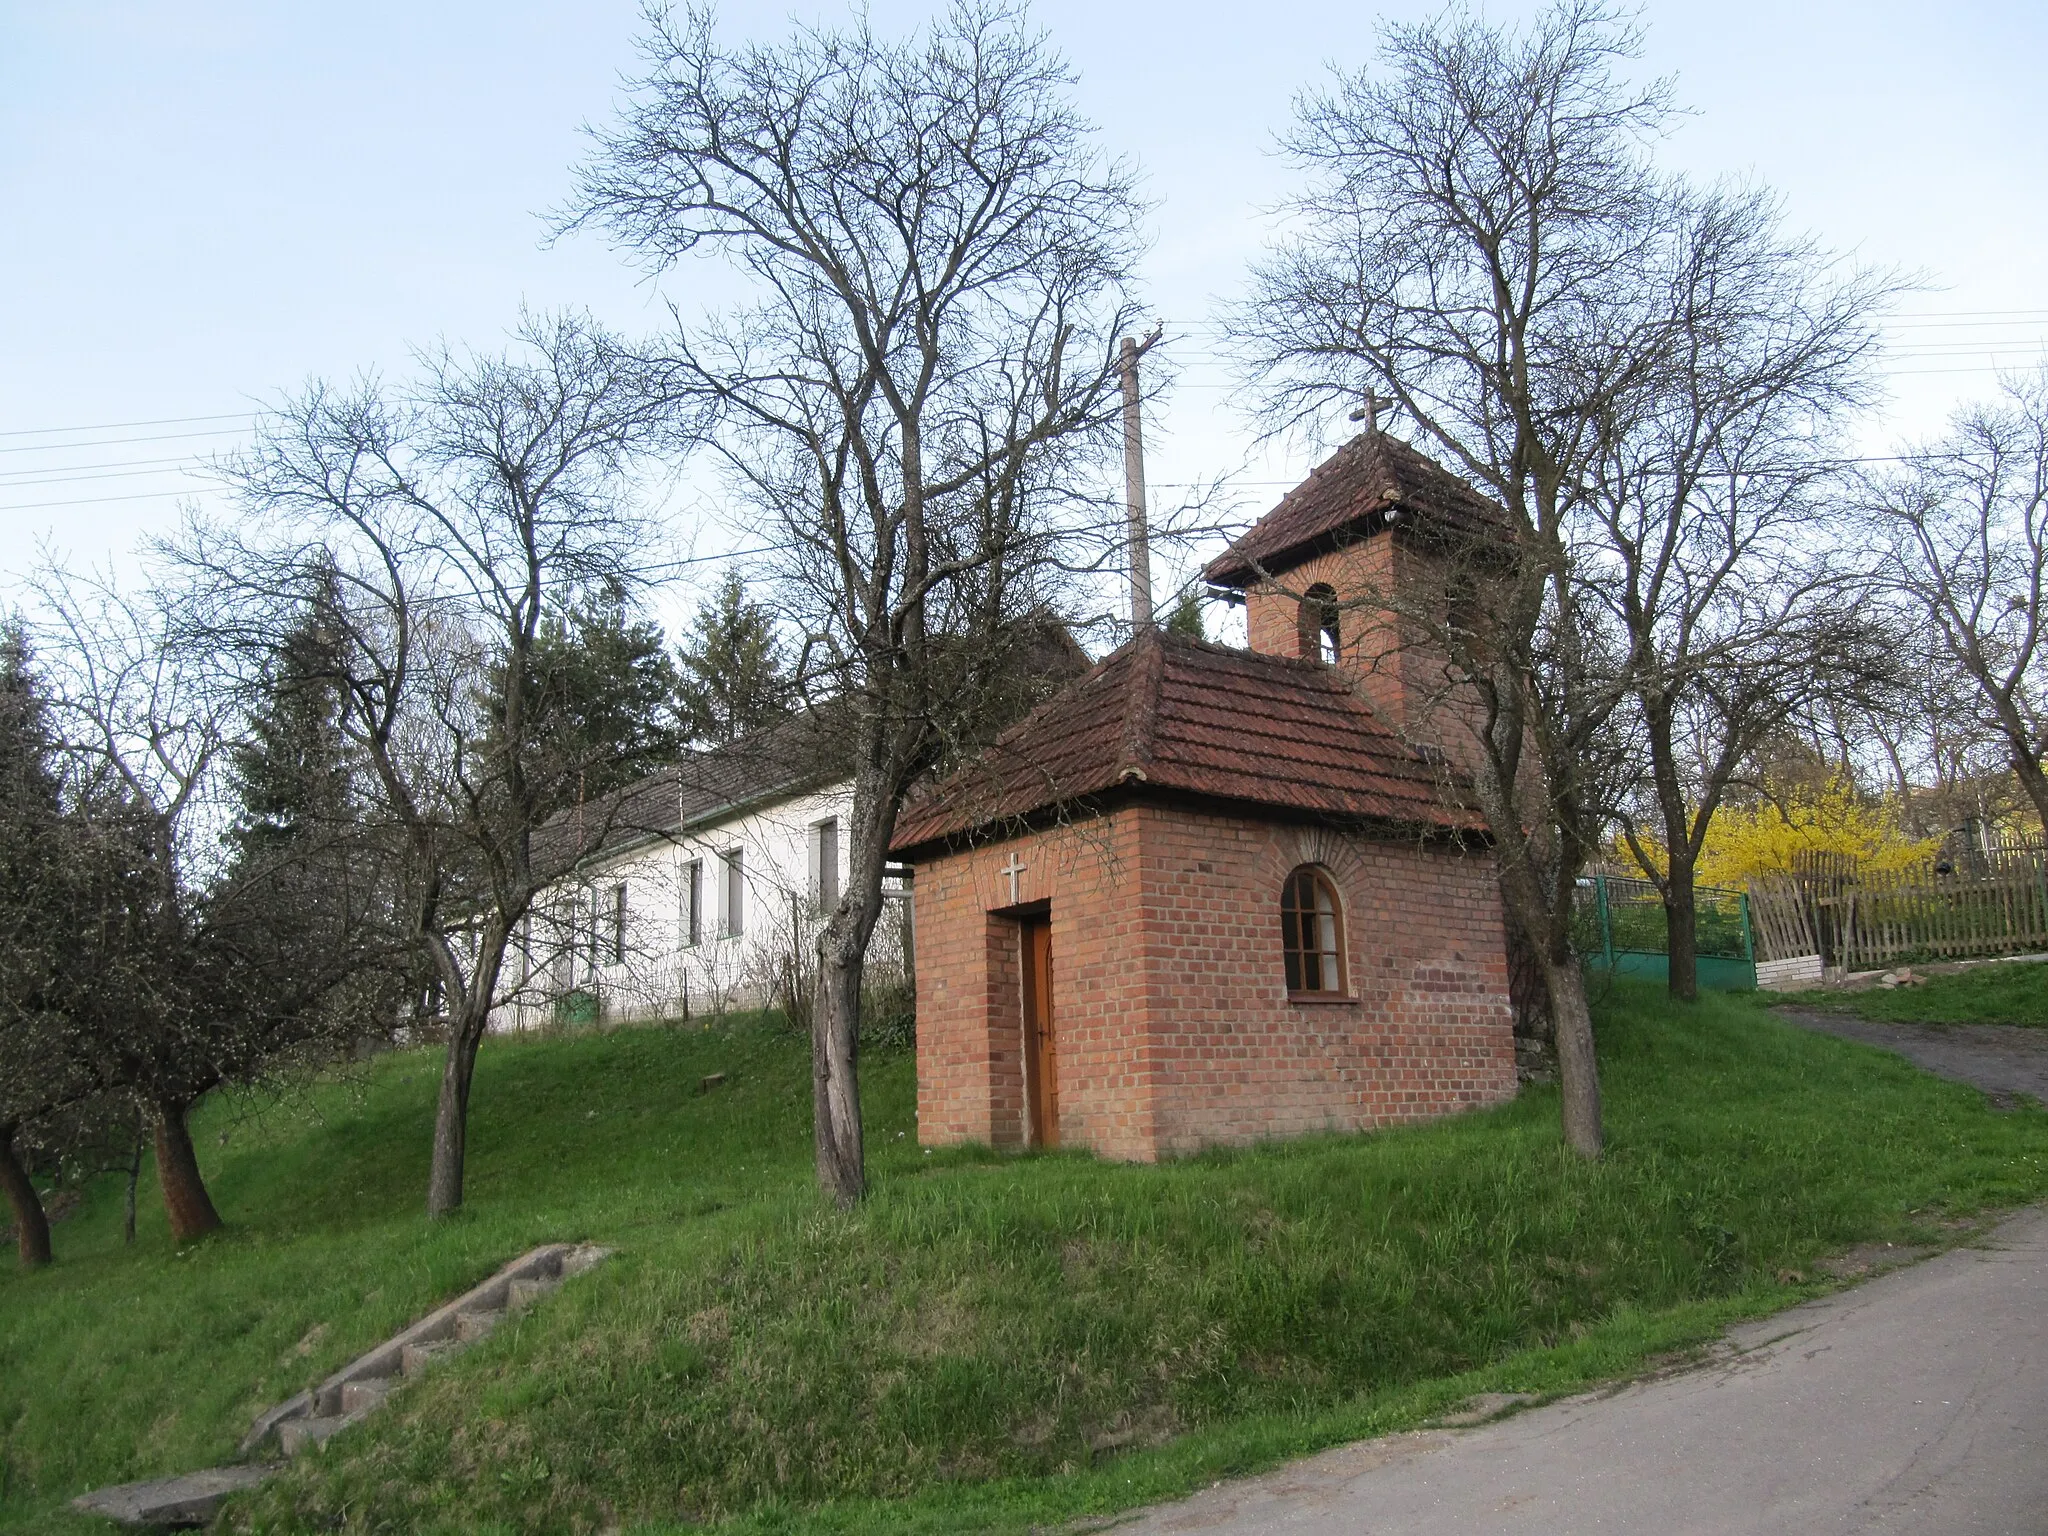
<point x="1320" y="640"/>
<point x="1312" y="932"/>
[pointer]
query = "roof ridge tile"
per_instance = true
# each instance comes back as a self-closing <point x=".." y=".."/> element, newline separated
<point x="1141" y="705"/>
<point x="1365" y="476"/>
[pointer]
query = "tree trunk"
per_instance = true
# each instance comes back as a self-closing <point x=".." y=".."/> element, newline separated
<point x="31" y="1225"/>
<point x="134" y="1178"/>
<point x="1681" y="909"/>
<point x="842" y="963"/>
<point x="2027" y="769"/>
<point x="1527" y="998"/>
<point x="1571" y="1021"/>
<point x="186" y="1201"/>
<point x="835" y="1059"/>
<point x="1578" y="1071"/>
<point x="1681" y="920"/>
<point x="451" y="1116"/>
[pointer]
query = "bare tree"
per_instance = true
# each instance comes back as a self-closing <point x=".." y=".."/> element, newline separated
<point x="437" y="526"/>
<point x="135" y="708"/>
<point x="174" y="969"/>
<point x="1701" y="530"/>
<point x="1480" y="246"/>
<point x="1925" y="737"/>
<point x="1962" y="539"/>
<point x="939" y="256"/>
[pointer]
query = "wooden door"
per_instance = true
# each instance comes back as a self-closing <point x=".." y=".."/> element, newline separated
<point x="1041" y="1050"/>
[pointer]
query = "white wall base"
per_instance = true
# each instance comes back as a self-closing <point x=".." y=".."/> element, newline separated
<point x="1794" y="975"/>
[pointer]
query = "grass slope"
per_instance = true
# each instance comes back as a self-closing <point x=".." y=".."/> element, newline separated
<point x="990" y="1341"/>
<point x="1983" y="994"/>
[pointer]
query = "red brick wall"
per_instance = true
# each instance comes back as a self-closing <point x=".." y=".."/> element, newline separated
<point x="1363" y="577"/>
<point x="1428" y="1030"/>
<point x="970" y="1021"/>
<point x="1169" y="999"/>
<point x="1404" y="683"/>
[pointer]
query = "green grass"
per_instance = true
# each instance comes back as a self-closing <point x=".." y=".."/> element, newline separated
<point x="990" y="1342"/>
<point x="1983" y="994"/>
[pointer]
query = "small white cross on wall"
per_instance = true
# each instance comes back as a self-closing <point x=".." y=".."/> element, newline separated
<point x="1013" y="869"/>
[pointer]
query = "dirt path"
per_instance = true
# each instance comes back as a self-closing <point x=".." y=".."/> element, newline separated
<point x="2001" y="1059"/>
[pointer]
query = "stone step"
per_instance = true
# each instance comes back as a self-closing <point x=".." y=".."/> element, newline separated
<point x="414" y="1358"/>
<point x="362" y="1396"/>
<point x="351" y="1393"/>
<point x="296" y="1435"/>
<point x="521" y="1294"/>
<point x="192" y="1498"/>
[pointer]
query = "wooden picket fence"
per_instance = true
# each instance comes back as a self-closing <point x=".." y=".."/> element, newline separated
<point x="1916" y="914"/>
<point x="1860" y="920"/>
<point x="1781" y="918"/>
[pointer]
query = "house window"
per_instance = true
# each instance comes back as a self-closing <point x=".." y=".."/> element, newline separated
<point x="618" y="915"/>
<point x="1320" y="638"/>
<point x="693" y="903"/>
<point x="578" y="931"/>
<point x="734" y="897"/>
<point x="825" y="865"/>
<point x="1312" y="932"/>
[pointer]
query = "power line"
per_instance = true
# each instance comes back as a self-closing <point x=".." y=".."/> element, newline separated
<point x="118" y="474"/>
<point x="1963" y="314"/>
<point x="91" y="501"/>
<point x="729" y="554"/>
<point x="66" y="469"/>
<point x="1904" y="314"/>
<point x="104" y="442"/>
<point x="122" y="426"/>
<point x="1907" y="373"/>
<point x="1973" y="349"/>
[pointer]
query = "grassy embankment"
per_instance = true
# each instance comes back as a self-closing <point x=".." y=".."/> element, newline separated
<point x="991" y="1341"/>
<point x="2005" y="993"/>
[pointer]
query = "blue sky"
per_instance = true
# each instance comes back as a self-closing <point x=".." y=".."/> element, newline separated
<point x="205" y="204"/>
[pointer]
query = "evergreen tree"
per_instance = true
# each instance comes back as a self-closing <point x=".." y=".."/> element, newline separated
<point x="603" y="691"/>
<point x="72" y="893"/>
<point x="290" y="771"/>
<point x="33" y="1066"/>
<point x="735" y="677"/>
<point x="1187" y="617"/>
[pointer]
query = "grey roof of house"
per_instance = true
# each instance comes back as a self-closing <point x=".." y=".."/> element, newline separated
<point x="774" y="763"/>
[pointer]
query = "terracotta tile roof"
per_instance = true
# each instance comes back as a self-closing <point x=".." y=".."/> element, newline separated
<point x="1169" y="714"/>
<point x="1349" y="493"/>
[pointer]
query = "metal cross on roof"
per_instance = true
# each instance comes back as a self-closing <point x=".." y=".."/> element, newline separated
<point x="1369" y="413"/>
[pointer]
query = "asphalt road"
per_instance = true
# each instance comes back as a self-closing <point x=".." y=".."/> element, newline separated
<point x="1915" y="1404"/>
<point x="2001" y="1059"/>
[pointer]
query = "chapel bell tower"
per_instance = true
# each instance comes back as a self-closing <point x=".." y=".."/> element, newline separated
<point x="1377" y="531"/>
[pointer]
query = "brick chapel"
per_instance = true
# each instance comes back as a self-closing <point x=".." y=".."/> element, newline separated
<point x="1207" y="895"/>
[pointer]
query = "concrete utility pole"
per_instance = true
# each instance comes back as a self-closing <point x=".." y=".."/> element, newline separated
<point x="1128" y="354"/>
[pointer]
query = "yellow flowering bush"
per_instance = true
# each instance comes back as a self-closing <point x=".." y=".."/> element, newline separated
<point x="1744" y="843"/>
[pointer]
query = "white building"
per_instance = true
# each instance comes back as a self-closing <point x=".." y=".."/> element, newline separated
<point x="695" y="891"/>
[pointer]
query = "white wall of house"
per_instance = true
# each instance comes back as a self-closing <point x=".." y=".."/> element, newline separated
<point x="697" y="922"/>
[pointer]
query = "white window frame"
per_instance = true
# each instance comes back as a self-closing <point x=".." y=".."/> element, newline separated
<point x="733" y="893"/>
<point x="825" y="886"/>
